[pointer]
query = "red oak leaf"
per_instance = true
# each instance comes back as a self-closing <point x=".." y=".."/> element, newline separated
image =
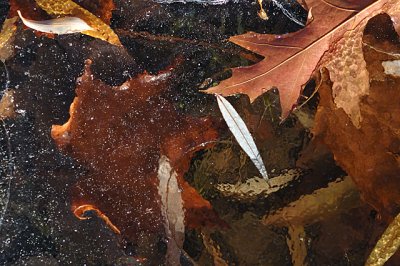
<point x="290" y="59"/>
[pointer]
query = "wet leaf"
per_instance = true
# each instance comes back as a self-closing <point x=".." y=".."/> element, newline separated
<point x="62" y="25"/>
<point x="97" y="18"/>
<point x="172" y="210"/>
<point x="367" y="150"/>
<point x="392" y="67"/>
<point x="258" y="187"/>
<point x="241" y="133"/>
<point x="346" y="64"/>
<point x="6" y="38"/>
<point x="317" y="206"/>
<point x="68" y="7"/>
<point x="387" y="245"/>
<point x="80" y="213"/>
<point x="119" y="133"/>
<point x="7" y="108"/>
<point x="291" y="59"/>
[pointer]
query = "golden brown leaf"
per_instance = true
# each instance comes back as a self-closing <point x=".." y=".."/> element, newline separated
<point x="6" y="38"/>
<point x="387" y="245"/>
<point x="67" y="7"/>
<point x="7" y="105"/>
<point x="59" y="7"/>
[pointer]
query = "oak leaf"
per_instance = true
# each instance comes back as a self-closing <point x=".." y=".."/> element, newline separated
<point x="290" y="59"/>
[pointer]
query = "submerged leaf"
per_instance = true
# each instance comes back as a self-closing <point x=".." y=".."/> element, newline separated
<point x="322" y="203"/>
<point x="7" y="108"/>
<point x="241" y="134"/>
<point x="290" y="59"/>
<point x="257" y="187"/>
<point x="387" y="245"/>
<point x="99" y="29"/>
<point x="171" y="209"/>
<point x="80" y="213"/>
<point x="6" y="38"/>
<point x="63" y="25"/>
<point x="392" y="67"/>
<point x="119" y="133"/>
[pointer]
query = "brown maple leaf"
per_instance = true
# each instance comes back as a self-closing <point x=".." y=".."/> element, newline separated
<point x="119" y="134"/>
<point x="290" y="59"/>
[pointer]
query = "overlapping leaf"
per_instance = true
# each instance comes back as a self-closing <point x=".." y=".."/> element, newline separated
<point x="97" y="16"/>
<point x="290" y="59"/>
<point x="61" y="7"/>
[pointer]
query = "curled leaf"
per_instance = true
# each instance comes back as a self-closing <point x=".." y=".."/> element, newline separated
<point x="290" y="59"/>
<point x="241" y="133"/>
<point x="80" y="213"/>
<point x="99" y="29"/>
<point x="63" y="25"/>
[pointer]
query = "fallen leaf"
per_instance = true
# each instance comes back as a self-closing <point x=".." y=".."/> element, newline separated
<point x="172" y="210"/>
<point x="369" y="152"/>
<point x="296" y="242"/>
<point x="387" y="245"/>
<point x="62" y="25"/>
<point x="68" y="7"/>
<point x="321" y="204"/>
<point x="346" y="64"/>
<point x="120" y="134"/>
<point x="81" y="211"/>
<point x="29" y="8"/>
<point x="241" y="133"/>
<point x="392" y="67"/>
<point x="290" y="59"/>
<point x="256" y="187"/>
<point x="7" y="108"/>
<point x="7" y="37"/>
<point x="97" y="15"/>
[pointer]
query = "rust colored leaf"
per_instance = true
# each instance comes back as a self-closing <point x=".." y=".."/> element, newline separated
<point x="119" y="134"/>
<point x="101" y="8"/>
<point x="80" y="213"/>
<point x="368" y="153"/>
<point x="347" y="66"/>
<point x="290" y="59"/>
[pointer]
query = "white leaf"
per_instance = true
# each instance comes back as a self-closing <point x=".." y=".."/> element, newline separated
<point x="392" y="67"/>
<point x="241" y="133"/>
<point x="172" y="210"/>
<point x="63" y="25"/>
